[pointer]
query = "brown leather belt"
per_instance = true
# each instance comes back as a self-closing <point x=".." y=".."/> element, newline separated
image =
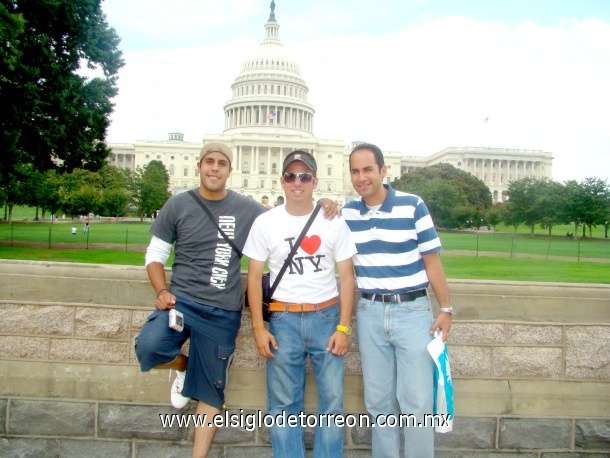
<point x="276" y="306"/>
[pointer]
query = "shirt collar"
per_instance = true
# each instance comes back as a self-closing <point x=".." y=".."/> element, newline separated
<point x="387" y="204"/>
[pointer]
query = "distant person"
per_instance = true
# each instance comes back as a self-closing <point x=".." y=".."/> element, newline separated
<point x="73" y="230"/>
<point x="86" y="229"/>
<point x="398" y="257"/>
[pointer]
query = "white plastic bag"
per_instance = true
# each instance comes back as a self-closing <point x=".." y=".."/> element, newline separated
<point x="443" y="385"/>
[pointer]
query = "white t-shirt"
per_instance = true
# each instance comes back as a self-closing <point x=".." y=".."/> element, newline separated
<point x="310" y="278"/>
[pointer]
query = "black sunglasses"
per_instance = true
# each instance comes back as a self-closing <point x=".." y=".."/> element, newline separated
<point x="303" y="177"/>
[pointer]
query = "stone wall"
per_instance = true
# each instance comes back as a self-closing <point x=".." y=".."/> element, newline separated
<point x="531" y="368"/>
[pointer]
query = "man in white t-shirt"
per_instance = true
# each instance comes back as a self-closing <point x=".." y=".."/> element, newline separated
<point x="306" y="319"/>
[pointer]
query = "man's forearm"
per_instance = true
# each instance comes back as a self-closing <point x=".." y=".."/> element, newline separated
<point x="156" y="274"/>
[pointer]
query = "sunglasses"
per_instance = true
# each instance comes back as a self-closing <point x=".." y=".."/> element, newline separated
<point x="303" y="177"/>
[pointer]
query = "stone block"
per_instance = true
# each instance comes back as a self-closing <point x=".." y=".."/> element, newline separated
<point x="528" y="362"/>
<point x="89" y="350"/>
<point x="246" y="323"/>
<point x="94" y="449"/>
<point x="123" y="421"/>
<point x="166" y="450"/>
<point x="573" y="455"/>
<point x="554" y="398"/>
<point x="36" y="319"/>
<point x="352" y="363"/>
<point x="592" y="435"/>
<point x="469" y="433"/>
<point x="359" y="453"/>
<point x="470" y="361"/>
<point x="30" y="448"/>
<point x="535" y="433"/>
<point x="353" y="340"/>
<point x="529" y="334"/>
<point x="493" y="455"/>
<point x="3" y="403"/>
<point x="249" y="451"/>
<point x="52" y="418"/>
<point x="24" y="347"/>
<point x="246" y="353"/>
<point x="362" y="434"/>
<point x="477" y="333"/>
<point x="105" y="323"/>
<point x="138" y="318"/>
<point x="480" y="397"/>
<point x="588" y="352"/>
<point x="237" y="427"/>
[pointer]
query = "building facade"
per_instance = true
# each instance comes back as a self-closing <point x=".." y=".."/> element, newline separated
<point x="269" y="116"/>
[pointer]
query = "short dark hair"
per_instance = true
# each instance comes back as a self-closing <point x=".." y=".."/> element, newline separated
<point x="373" y="149"/>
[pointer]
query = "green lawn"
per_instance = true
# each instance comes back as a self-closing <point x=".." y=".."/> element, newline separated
<point x="460" y="267"/>
<point x="525" y="244"/>
<point x="558" y="259"/>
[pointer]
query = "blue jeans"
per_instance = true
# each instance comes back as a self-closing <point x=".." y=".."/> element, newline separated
<point x="299" y="335"/>
<point x="398" y="372"/>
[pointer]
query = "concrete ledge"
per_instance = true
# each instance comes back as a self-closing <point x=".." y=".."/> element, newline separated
<point x="247" y="388"/>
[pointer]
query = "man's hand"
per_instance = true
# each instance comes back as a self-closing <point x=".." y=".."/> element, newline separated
<point x="264" y="340"/>
<point x="338" y="343"/>
<point x="165" y="300"/>
<point x="443" y="322"/>
<point x="331" y="210"/>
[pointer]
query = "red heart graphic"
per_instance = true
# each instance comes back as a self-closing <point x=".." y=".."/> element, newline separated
<point x="311" y="244"/>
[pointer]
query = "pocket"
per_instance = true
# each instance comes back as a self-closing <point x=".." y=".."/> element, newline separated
<point x="363" y="304"/>
<point x="276" y="316"/>
<point x="330" y="313"/>
<point x="224" y="356"/>
<point x="154" y="315"/>
<point x="421" y="304"/>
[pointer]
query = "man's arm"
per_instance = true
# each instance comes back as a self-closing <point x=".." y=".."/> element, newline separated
<point x="339" y="341"/>
<point x="262" y="336"/>
<point x="157" y="254"/>
<point x="156" y="274"/>
<point x="436" y="276"/>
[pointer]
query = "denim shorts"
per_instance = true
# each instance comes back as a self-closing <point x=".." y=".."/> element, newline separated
<point x="212" y="331"/>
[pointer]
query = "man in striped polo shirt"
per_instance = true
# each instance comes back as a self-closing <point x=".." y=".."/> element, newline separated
<point x="398" y="257"/>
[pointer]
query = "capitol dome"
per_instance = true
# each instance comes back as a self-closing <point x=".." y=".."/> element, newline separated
<point x="269" y="94"/>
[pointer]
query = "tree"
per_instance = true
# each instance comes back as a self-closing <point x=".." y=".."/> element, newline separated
<point x="151" y="188"/>
<point x="549" y="202"/>
<point x="496" y="214"/>
<point x="52" y="117"/>
<point x="117" y="191"/>
<point x="595" y="197"/>
<point x="452" y="195"/>
<point x="521" y="204"/>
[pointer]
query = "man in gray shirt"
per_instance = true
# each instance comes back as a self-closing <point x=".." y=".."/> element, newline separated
<point x="205" y="288"/>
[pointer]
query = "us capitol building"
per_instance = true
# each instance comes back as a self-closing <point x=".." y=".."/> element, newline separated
<point x="268" y="116"/>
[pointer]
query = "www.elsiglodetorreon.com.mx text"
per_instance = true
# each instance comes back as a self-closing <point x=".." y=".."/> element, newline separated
<point x="250" y="421"/>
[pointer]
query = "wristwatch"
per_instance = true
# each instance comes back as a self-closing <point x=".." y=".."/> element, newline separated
<point x="448" y="310"/>
<point x="345" y="329"/>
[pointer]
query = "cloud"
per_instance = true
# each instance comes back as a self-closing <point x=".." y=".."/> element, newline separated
<point x="416" y="89"/>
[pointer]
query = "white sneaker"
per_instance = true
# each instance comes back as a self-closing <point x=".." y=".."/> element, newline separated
<point x="177" y="400"/>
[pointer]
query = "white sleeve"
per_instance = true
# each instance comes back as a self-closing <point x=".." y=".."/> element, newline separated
<point x="158" y="251"/>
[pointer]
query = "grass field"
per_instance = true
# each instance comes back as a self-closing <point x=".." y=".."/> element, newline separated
<point x="467" y="255"/>
<point x="459" y="267"/>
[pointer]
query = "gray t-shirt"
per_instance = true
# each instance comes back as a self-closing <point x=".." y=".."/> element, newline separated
<point x="206" y="269"/>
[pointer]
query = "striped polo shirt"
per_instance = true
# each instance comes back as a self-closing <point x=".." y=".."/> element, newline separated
<point x="391" y="242"/>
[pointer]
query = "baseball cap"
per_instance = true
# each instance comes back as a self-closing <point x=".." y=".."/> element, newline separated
<point x="216" y="147"/>
<point x="303" y="157"/>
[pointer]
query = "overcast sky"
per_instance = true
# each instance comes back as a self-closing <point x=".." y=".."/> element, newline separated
<point x="414" y="76"/>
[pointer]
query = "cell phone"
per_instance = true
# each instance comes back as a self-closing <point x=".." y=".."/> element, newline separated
<point x="176" y="320"/>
